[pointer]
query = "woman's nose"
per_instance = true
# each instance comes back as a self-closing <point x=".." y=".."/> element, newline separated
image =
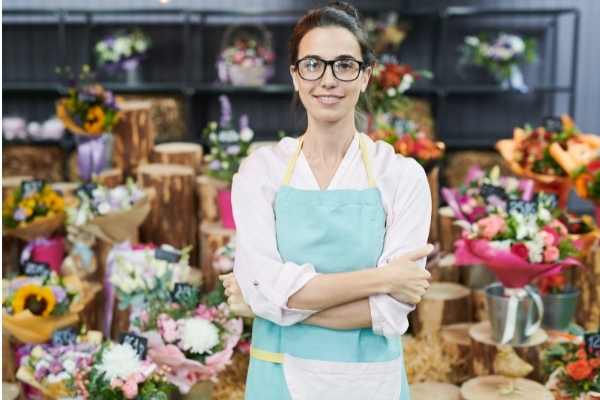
<point x="328" y="79"/>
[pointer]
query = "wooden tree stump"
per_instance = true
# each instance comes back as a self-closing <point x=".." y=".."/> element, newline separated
<point x="172" y="219"/>
<point x="42" y="162"/>
<point x="111" y="177"/>
<point x="433" y="177"/>
<point x="489" y="388"/>
<point x="212" y="237"/>
<point x="587" y="280"/>
<point x="456" y="342"/>
<point x="442" y="269"/>
<point x="134" y="137"/>
<point x="434" y="390"/>
<point x="443" y="304"/>
<point x="207" y="188"/>
<point x="449" y="232"/>
<point x="485" y="350"/>
<point x="480" y="308"/>
<point x="182" y="153"/>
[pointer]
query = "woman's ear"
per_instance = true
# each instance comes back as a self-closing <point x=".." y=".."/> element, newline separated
<point x="366" y="76"/>
<point x="293" y="75"/>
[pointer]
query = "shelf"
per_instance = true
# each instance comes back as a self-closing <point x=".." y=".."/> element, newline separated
<point x="482" y="11"/>
<point x="496" y="89"/>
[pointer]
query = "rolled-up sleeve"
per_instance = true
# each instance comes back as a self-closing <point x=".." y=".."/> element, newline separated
<point x="266" y="281"/>
<point x="407" y="231"/>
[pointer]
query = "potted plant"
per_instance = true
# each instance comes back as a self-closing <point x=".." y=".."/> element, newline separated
<point x="123" y="51"/>
<point x="228" y="148"/>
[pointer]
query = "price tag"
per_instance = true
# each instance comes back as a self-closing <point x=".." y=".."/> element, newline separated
<point x="548" y="200"/>
<point x="522" y="207"/>
<point x="185" y="294"/>
<point x="31" y="187"/>
<point x="592" y="344"/>
<point x="552" y="124"/>
<point x="138" y="343"/>
<point x="34" y="268"/>
<point x="488" y="190"/>
<point x="168" y="255"/>
<point x="64" y="337"/>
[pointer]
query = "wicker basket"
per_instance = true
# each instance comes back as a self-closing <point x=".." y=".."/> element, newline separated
<point x="240" y="75"/>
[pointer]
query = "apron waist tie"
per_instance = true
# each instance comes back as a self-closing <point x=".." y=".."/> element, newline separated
<point x="264" y="355"/>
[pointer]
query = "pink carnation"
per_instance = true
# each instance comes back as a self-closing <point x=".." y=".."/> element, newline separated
<point x="208" y="313"/>
<point x="551" y="254"/>
<point x="167" y="328"/>
<point x="491" y="226"/>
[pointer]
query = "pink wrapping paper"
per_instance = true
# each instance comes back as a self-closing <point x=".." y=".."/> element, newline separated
<point x="510" y="269"/>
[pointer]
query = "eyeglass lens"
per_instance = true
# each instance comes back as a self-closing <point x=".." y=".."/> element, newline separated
<point x="345" y="69"/>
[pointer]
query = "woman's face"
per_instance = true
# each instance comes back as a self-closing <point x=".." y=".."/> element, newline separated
<point x="328" y="99"/>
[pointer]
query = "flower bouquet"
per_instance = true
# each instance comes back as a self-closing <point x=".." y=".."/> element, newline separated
<point x="112" y="215"/>
<point x="223" y="258"/>
<point x="574" y="375"/>
<point x="137" y="275"/>
<point x="246" y="56"/>
<point x="386" y="34"/>
<point x="122" y="51"/>
<point x="227" y="150"/>
<point x="118" y="372"/>
<point x="32" y="210"/>
<point x="537" y="153"/>
<point x="413" y="144"/>
<point x="35" y="306"/>
<point x="195" y="338"/>
<point x="52" y="368"/>
<point x="500" y="55"/>
<point x="525" y="242"/>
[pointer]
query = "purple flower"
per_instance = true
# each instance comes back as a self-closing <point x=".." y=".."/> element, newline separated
<point x="233" y="150"/>
<point x="56" y="367"/>
<point x="19" y="214"/>
<point x="59" y="293"/>
<point x="214" y="165"/>
<point x="41" y="373"/>
<point x="243" y="122"/>
<point x="225" y="111"/>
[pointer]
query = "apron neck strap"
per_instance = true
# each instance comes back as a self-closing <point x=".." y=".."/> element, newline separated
<point x="363" y="150"/>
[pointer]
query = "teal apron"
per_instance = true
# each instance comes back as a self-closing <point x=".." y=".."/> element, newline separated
<point x="336" y="231"/>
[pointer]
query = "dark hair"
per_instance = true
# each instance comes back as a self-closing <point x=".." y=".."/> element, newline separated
<point x="337" y="13"/>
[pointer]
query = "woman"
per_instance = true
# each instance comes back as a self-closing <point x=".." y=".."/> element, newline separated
<point x="314" y="217"/>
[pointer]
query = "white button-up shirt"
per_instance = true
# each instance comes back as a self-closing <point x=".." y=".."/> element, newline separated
<point x="267" y="282"/>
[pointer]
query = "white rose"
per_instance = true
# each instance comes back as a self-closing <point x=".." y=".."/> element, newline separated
<point x="391" y="92"/>
<point x="246" y="134"/>
<point x="472" y="41"/>
<point x="199" y="335"/>
<point x="119" y="361"/>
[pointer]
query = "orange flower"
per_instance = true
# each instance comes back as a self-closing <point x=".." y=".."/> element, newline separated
<point x="567" y="123"/>
<point x="581" y="185"/>
<point x="94" y="120"/>
<point x="594" y="363"/>
<point x="579" y="370"/>
<point x="392" y="75"/>
<point x="405" y="145"/>
<point x="581" y="354"/>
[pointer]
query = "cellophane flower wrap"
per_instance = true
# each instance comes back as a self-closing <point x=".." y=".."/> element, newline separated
<point x="573" y="373"/>
<point x="34" y="307"/>
<point x="33" y="211"/>
<point x="525" y="242"/>
<point x="52" y="369"/>
<point x="111" y="214"/>
<point x="119" y="373"/>
<point x="195" y="338"/>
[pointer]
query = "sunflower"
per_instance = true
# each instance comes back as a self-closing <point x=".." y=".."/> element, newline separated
<point x="94" y="120"/>
<point x="38" y="299"/>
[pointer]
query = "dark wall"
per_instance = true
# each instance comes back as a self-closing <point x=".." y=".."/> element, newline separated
<point x="30" y="55"/>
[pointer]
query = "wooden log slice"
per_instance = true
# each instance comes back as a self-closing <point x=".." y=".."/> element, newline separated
<point x="434" y="391"/>
<point x="41" y="161"/>
<point x="587" y="280"/>
<point x="443" y="304"/>
<point x="172" y="219"/>
<point x="182" y="153"/>
<point x="480" y="307"/>
<point x="485" y="350"/>
<point x="489" y="388"/>
<point x="213" y="236"/>
<point x="458" y="345"/>
<point x="448" y="232"/>
<point x="134" y="136"/>
<point x="207" y="188"/>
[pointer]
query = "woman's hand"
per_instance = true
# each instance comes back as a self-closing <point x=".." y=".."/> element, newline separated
<point x="407" y="281"/>
<point x="235" y="299"/>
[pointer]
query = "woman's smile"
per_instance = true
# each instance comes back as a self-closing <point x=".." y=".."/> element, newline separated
<point x="328" y="99"/>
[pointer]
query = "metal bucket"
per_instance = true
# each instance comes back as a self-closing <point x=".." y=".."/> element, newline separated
<point x="515" y="314"/>
<point x="560" y="309"/>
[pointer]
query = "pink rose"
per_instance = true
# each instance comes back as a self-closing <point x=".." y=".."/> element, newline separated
<point x="208" y="313"/>
<point x="553" y="233"/>
<point x="551" y="254"/>
<point x="491" y="226"/>
<point x="559" y="227"/>
<point x="167" y="328"/>
<point x="244" y="346"/>
<point x="521" y="250"/>
<point x="130" y="389"/>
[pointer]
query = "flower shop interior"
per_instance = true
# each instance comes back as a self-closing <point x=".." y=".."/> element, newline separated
<point x="124" y="122"/>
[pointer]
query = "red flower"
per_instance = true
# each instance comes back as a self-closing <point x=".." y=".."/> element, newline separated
<point x="594" y="166"/>
<point x="520" y="250"/>
<point x="581" y="354"/>
<point x="548" y="283"/>
<point x="594" y="363"/>
<point x="579" y="370"/>
<point x="391" y="76"/>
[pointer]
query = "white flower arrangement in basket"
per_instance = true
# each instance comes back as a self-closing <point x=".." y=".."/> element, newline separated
<point x="246" y="57"/>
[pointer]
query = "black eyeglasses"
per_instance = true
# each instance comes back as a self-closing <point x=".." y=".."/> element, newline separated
<point x="344" y="69"/>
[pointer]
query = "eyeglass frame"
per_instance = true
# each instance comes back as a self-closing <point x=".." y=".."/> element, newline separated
<point x="361" y="66"/>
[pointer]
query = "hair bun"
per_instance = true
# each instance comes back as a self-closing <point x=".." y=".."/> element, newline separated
<point x="347" y="8"/>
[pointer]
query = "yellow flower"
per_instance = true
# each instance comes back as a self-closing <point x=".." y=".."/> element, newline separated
<point x="38" y="299"/>
<point x="94" y="121"/>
